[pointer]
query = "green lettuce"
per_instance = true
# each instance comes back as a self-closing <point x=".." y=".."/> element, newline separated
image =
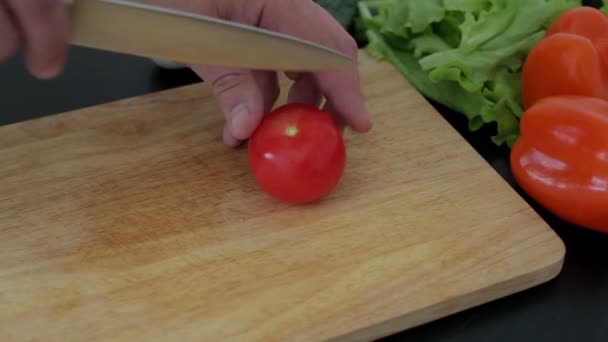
<point x="464" y="54"/>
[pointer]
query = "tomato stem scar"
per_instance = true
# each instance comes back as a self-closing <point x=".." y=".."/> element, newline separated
<point x="291" y="131"/>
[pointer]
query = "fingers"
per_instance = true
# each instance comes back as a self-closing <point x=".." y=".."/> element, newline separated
<point x="340" y="87"/>
<point x="328" y="107"/>
<point x="304" y="89"/>
<point x="240" y="99"/>
<point x="346" y="99"/>
<point x="44" y="32"/>
<point x="244" y="97"/>
<point x="9" y="37"/>
<point x="269" y="86"/>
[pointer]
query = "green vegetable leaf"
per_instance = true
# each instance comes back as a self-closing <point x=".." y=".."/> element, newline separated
<point x="414" y="16"/>
<point x="464" y="54"/>
<point x="467" y="6"/>
<point x="408" y="65"/>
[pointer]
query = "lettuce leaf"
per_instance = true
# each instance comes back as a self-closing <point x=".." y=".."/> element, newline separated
<point x="464" y="54"/>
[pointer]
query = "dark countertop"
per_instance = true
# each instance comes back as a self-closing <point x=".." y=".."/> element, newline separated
<point x="574" y="305"/>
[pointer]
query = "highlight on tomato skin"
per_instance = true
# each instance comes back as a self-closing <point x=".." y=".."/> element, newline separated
<point x="297" y="154"/>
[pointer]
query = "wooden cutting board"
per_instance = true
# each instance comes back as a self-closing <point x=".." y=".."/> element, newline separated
<point x="131" y="221"/>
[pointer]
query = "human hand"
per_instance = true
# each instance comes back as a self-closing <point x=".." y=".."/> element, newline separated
<point x="245" y="96"/>
<point x="40" y="29"/>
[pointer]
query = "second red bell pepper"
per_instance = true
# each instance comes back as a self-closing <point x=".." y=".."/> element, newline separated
<point x="572" y="59"/>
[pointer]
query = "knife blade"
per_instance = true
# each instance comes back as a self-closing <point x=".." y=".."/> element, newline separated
<point x="162" y="33"/>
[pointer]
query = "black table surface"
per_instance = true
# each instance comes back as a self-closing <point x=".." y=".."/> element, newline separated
<point x="574" y="305"/>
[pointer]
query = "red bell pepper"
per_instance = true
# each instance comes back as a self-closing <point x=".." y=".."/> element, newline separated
<point x="572" y="58"/>
<point x="561" y="156"/>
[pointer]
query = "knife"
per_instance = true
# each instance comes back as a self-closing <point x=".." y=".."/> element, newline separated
<point x="162" y="33"/>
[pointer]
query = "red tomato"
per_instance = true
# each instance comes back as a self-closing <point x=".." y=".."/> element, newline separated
<point x="297" y="154"/>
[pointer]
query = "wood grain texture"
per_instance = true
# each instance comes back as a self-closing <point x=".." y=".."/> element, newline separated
<point x="131" y="221"/>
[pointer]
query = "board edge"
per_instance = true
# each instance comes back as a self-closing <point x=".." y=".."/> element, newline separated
<point x="526" y="281"/>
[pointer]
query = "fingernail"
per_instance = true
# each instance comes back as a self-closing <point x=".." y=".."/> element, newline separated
<point x="47" y="71"/>
<point x="238" y="121"/>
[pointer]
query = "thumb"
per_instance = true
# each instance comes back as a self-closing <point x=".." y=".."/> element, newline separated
<point x="239" y="97"/>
